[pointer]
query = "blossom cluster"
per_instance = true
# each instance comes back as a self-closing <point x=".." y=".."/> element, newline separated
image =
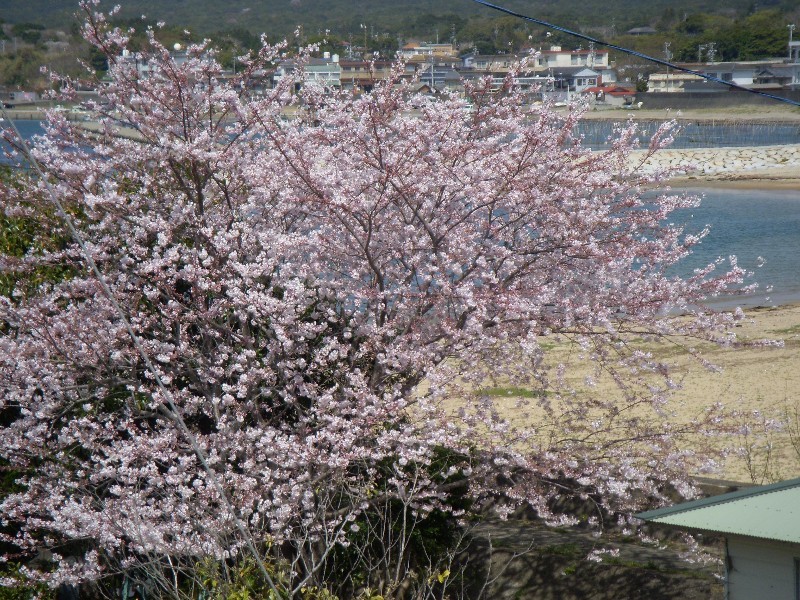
<point x="323" y="284"/>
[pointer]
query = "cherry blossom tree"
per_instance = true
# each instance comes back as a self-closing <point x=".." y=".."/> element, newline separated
<point x="266" y="346"/>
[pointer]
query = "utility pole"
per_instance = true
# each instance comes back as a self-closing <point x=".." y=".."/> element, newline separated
<point x="364" y="27"/>
<point x="700" y="49"/>
<point x="668" y="58"/>
<point x="791" y="31"/>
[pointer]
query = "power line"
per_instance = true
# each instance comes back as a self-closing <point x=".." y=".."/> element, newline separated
<point x="653" y="59"/>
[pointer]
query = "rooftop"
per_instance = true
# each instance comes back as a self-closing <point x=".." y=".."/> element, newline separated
<point x="769" y="512"/>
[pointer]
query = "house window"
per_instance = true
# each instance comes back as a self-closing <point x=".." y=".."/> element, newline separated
<point x="574" y="59"/>
<point x="727" y="77"/>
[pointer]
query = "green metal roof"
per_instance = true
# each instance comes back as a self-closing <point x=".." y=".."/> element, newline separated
<point x="769" y="512"/>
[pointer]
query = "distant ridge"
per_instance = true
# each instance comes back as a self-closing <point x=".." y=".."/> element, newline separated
<point x="281" y="17"/>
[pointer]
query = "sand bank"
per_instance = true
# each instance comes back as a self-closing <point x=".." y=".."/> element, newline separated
<point x="776" y="112"/>
<point x="760" y="382"/>
<point x="755" y="380"/>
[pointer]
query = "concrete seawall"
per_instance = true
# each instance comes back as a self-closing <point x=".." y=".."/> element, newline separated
<point x="723" y="161"/>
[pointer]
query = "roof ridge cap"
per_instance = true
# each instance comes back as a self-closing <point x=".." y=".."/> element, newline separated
<point x="726" y="498"/>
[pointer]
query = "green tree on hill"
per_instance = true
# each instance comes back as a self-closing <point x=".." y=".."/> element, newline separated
<point x="30" y="33"/>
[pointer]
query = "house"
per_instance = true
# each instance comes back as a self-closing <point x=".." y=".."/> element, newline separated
<point x="361" y="76"/>
<point x="769" y="74"/>
<point x="761" y="526"/>
<point x="324" y="71"/>
<point x="610" y="95"/>
<point x="426" y="51"/>
<point x="439" y="78"/>
<point x="490" y="64"/>
<point x="545" y="63"/>
<point x="575" y="79"/>
<point x="556" y="59"/>
<point x="144" y="67"/>
<point x="498" y="66"/>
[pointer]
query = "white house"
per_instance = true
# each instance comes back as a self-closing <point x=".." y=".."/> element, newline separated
<point x="426" y="51"/>
<point x="772" y="73"/>
<point x="556" y="58"/>
<point x="325" y="71"/>
<point x="761" y="526"/>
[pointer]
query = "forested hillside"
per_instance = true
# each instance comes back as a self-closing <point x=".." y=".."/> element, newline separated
<point x="46" y="32"/>
<point x="412" y="17"/>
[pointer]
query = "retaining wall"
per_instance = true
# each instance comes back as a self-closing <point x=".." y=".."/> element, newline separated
<point x="708" y="161"/>
<point x="717" y="100"/>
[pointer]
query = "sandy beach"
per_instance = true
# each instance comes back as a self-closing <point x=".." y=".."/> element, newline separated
<point x="778" y="178"/>
<point x="773" y="112"/>
<point x="765" y="381"/>
<point x="756" y="386"/>
<point x="762" y="379"/>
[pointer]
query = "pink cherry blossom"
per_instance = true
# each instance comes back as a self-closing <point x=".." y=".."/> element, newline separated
<point x="322" y="298"/>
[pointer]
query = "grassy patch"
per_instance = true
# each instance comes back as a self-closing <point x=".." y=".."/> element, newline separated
<point x="568" y="550"/>
<point x="651" y="565"/>
<point x="787" y="330"/>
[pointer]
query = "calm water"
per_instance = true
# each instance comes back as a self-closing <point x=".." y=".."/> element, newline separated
<point x="751" y="224"/>
<point x="26" y="128"/>
<point x="747" y="223"/>
<point x="691" y="134"/>
<point x="700" y="134"/>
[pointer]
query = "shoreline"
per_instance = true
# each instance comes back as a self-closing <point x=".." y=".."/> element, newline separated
<point x="776" y="113"/>
<point x="789" y="181"/>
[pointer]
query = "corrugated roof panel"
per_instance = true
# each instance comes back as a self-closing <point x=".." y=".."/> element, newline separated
<point x="769" y="512"/>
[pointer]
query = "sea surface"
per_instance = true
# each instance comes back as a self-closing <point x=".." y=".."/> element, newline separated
<point x="26" y="128"/>
<point x="761" y="228"/>
<point x="699" y="134"/>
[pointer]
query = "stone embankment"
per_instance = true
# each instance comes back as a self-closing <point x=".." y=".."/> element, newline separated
<point x="723" y="161"/>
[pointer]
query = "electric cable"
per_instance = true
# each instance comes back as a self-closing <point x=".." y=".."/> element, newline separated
<point x="641" y="55"/>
